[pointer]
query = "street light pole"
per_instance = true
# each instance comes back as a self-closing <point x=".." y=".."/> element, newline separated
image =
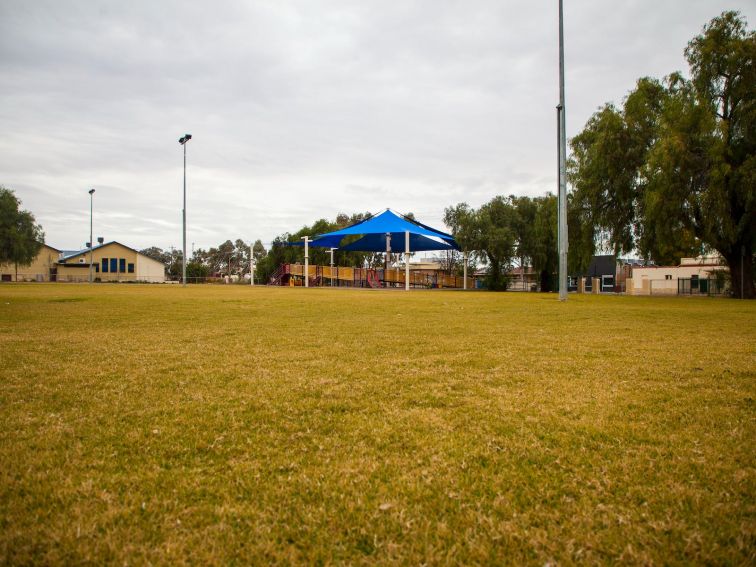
<point x="91" y="234"/>
<point x="183" y="142"/>
<point x="562" y="167"/>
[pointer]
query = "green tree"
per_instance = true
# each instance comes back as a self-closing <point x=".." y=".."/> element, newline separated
<point x="673" y="172"/>
<point x="157" y="254"/>
<point x="490" y="233"/>
<point x="196" y="272"/>
<point x="526" y="209"/>
<point x="544" y="253"/>
<point x="20" y="236"/>
<point x="258" y="251"/>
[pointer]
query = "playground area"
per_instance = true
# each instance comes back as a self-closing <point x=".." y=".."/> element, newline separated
<point x="335" y="276"/>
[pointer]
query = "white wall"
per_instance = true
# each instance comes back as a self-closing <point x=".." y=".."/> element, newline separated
<point x="149" y="270"/>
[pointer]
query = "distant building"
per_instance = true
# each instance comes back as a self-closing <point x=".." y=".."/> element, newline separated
<point x="111" y="261"/>
<point x="602" y="271"/>
<point x="523" y="278"/>
<point x="692" y="276"/>
<point x="625" y="267"/>
<point x="42" y="268"/>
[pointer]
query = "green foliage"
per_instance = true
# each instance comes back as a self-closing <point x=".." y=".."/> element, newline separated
<point x="20" y="236"/>
<point x="157" y="254"/>
<point x="196" y="272"/>
<point x="489" y="233"/>
<point x="509" y="228"/>
<point x="543" y="247"/>
<point x="673" y="172"/>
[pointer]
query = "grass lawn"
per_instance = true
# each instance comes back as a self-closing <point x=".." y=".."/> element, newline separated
<point x="217" y="425"/>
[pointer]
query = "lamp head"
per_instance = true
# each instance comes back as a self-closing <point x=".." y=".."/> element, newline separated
<point x="185" y="139"/>
<point x="91" y="191"/>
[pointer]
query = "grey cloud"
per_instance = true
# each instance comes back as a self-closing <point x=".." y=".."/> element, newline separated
<point x="301" y="110"/>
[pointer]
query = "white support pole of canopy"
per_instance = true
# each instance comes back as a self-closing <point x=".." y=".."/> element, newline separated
<point x="406" y="261"/>
<point x="388" y="251"/>
<point x="307" y="260"/>
<point x="330" y="250"/>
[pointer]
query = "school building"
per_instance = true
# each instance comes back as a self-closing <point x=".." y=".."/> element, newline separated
<point x="111" y="262"/>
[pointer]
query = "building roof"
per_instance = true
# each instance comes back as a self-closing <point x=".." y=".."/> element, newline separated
<point x="712" y="260"/>
<point x="50" y="247"/>
<point x="602" y="266"/>
<point x="68" y="254"/>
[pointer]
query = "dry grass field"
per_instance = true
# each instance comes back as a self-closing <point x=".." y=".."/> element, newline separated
<point x="236" y="425"/>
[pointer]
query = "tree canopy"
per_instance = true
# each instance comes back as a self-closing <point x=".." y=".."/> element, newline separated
<point x="509" y="230"/>
<point x="20" y="236"/>
<point x="672" y="172"/>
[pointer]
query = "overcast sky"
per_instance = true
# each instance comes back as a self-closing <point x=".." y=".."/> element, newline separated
<point x="301" y="110"/>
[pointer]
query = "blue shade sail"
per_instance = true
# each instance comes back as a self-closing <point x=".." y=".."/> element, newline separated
<point x="377" y="243"/>
<point x="375" y="229"/>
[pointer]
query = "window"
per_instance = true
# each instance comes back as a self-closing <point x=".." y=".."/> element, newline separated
<point x="104" y="265"/>
<point x="668" y="277"/>
<point x="131" y="268"/>
<point x="122" y="265"/>
<point x="114" y="265"/>
<point x="97" y="268"/>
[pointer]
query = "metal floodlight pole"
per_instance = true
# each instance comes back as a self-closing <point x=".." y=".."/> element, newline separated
<point x="91" y="234"/>
<point x="252" y="265"/>
<point x="562" y="166"/>
<point x="307" y="261"/>
<point x="183" y="142"/>
<point x="559" y="189"/>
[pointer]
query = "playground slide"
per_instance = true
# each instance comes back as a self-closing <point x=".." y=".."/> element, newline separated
<point x="372" y="279"/>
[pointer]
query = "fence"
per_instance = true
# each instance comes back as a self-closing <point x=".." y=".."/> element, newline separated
<point x="78" y="278"/>
<point x="700" y="286"/>
<point x="325" y="276"/>
<point x="517" y="284"/>
<point x="682" y="286"/>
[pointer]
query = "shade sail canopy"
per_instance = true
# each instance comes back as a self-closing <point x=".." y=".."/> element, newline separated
<point x="377" y="243"/>
<point x="375" y="229"/>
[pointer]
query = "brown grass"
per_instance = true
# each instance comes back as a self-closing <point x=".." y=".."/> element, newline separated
<point x="216" y="425"/>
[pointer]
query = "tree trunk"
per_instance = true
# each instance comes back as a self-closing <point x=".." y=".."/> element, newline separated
<point x="545" y="281"/>
<point x="733" y="259"/>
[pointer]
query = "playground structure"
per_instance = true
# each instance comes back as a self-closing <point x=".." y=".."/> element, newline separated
<point x="337" y="276"/>
<point x="376" y="234"/>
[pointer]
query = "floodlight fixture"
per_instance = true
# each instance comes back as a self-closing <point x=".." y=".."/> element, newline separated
<point x="183" y="140"/>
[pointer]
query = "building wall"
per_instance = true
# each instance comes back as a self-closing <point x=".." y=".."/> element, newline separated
<point x="39" y="270"/>
<point x="658" y="280"/>
<point x="149" y="270"/>
<point x="129" y="265"/>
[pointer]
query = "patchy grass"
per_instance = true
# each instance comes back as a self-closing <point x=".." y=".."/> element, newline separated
<point x="216" y="425"/>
